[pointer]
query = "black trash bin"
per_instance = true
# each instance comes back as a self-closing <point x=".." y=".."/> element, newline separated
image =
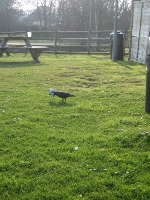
<point x="120" y="51"/>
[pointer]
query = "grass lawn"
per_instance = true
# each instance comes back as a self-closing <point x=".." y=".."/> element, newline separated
<point x="93" y="147"/>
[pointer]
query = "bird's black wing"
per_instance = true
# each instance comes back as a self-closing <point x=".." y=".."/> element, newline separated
<point x="63" y="95"/>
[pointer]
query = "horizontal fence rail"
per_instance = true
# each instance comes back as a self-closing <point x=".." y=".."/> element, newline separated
<point x="67" y="42"/>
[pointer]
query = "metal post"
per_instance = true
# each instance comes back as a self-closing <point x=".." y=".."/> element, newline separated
<point x="147" y="98"/>
<point x="114" y="53"/>
<point x="96" y="21"/>
<point x="89" y="42"/>
<point x="90" y="15"/>
<point x="89" y="31"/>
<point x="55" y="42"/>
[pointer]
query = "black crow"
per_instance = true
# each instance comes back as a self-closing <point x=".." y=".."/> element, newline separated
<point x="62" y="95"/>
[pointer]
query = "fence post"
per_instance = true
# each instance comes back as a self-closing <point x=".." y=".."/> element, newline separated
<point x="114" y="52"/>
<point x="147" y="98"/>
<point x="124" y="42"/>
<point x="130" y="32"/>
<point x="55" y="42"/>
<point x="89" y="42"/>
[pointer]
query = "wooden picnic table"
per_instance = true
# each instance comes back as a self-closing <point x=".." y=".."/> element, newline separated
<point x="35" y="51"/>
<point x="2" y="49"/>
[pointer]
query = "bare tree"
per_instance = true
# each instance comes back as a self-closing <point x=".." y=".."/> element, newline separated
<point x="124" y="15"/>
<point x="44" y="10"/>
<point x="9" y="15"/>
<point x="74" y="14"/>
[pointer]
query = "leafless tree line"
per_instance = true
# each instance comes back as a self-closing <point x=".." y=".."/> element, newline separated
<point x="63" y="14"/>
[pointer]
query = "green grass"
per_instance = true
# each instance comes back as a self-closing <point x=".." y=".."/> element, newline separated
<point x="106" y="120"/>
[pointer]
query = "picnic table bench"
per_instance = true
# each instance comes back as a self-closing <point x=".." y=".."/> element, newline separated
<point x="2" y="49"/>
<point x="35" y="51"/>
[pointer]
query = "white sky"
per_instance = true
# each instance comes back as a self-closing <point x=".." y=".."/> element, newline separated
<point x="25" y="7"/>
<point x="29" y="7"/>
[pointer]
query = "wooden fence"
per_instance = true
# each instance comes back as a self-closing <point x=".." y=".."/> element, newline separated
<point x="69" y="42"/>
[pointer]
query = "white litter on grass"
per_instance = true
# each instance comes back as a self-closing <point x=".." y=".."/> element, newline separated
<point x="93" y="169"/>
<point x="17" y="119"/>
<point x="76" y="148"/>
